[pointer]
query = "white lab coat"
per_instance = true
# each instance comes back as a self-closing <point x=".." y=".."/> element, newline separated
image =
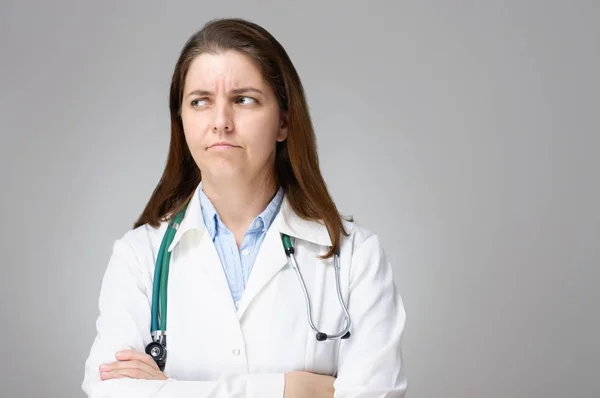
<point x="216" y="351"/>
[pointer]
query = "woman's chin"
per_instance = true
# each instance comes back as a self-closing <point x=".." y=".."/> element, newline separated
<point x="225" y="172"/>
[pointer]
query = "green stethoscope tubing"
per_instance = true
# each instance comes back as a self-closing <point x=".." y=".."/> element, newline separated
<point x="161" y="280"/>
<point x="161" y="274"/>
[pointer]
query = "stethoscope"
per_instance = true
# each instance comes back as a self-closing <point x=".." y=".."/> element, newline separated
<point x="157" y="349"/>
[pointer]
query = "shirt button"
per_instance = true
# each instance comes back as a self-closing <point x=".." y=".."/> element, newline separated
<point x="236" y="352"/>
<point x="245" y="252"/>
<point x="258" y="224"/>
<point x="237" y="304"/>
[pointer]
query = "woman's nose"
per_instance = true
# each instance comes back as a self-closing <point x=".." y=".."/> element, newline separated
<point x="223" y="118"/>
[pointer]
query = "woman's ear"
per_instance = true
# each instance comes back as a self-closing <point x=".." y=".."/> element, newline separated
<point x="283" y="128"/>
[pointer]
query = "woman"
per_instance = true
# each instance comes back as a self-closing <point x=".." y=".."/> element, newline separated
<point x="242" y="173"/>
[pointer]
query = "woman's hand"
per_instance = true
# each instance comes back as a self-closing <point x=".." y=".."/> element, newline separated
<point x="308" y="385"/>
<point x="133" y="365"/>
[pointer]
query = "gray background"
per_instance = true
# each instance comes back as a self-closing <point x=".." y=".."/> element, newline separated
<point x="465" y="133"/>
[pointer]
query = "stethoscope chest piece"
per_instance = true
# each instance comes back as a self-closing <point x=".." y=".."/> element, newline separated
<point x="158" y="352"/>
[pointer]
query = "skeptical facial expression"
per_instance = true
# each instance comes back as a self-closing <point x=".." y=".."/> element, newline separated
<point x="231" y="118"/>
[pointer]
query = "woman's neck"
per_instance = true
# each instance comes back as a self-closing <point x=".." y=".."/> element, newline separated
<point x="238" y="203"/>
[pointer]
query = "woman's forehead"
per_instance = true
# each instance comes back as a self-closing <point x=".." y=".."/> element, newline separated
<point x="224" y="71"/>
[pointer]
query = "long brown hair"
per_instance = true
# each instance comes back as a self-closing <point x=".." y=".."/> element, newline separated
<point x="296" y="161"/>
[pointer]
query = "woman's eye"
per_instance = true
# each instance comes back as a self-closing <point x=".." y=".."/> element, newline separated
<point x="199" y="102"/>
<point x="246" y="100"/>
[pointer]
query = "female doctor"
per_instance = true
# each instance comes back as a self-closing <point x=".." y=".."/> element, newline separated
<point x="267" y="291"/>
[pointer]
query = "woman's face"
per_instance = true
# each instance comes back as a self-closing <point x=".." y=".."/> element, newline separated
<point x="231" y="118"/>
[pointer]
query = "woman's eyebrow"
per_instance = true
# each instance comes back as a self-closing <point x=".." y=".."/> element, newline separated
<point x="235" y="91"/>
<point x="245" y="90"/>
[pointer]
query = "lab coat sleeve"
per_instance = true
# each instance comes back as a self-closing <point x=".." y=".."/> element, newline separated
<point x="124" y="323"/>
<point x="370" y="363"/>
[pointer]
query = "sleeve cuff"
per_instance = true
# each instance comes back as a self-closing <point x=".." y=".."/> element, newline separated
<point x="265" y="385"/>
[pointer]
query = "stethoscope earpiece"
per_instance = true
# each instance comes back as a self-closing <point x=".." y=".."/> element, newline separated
<point x="323" y="336"/>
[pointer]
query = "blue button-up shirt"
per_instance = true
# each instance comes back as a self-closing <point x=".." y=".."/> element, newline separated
<point x="238" y="264"/>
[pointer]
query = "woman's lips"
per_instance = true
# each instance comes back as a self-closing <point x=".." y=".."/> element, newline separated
<point x="222" y="146"/>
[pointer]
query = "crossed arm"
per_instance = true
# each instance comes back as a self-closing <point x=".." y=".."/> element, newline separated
<point x="137" y="365"/>
<point x="370" y="363"/>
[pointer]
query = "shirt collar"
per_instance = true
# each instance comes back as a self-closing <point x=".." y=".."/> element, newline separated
<point x="209" y="213"/>
<point x="270" y="212"/>
<point x="285" y="220"/>
<point x="262" y="222"/>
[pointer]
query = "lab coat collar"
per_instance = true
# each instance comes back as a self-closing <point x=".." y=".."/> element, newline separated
<point x="286" y="221"/>
<point x="289" y="223"/>
<point x="192" y="220"/>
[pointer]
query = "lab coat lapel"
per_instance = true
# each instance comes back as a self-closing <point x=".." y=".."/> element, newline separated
<point x="204" y="254"/>
<point x="270" y="260"/>
<point x="210" y="264"/>
<point x="271" y="257"/>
